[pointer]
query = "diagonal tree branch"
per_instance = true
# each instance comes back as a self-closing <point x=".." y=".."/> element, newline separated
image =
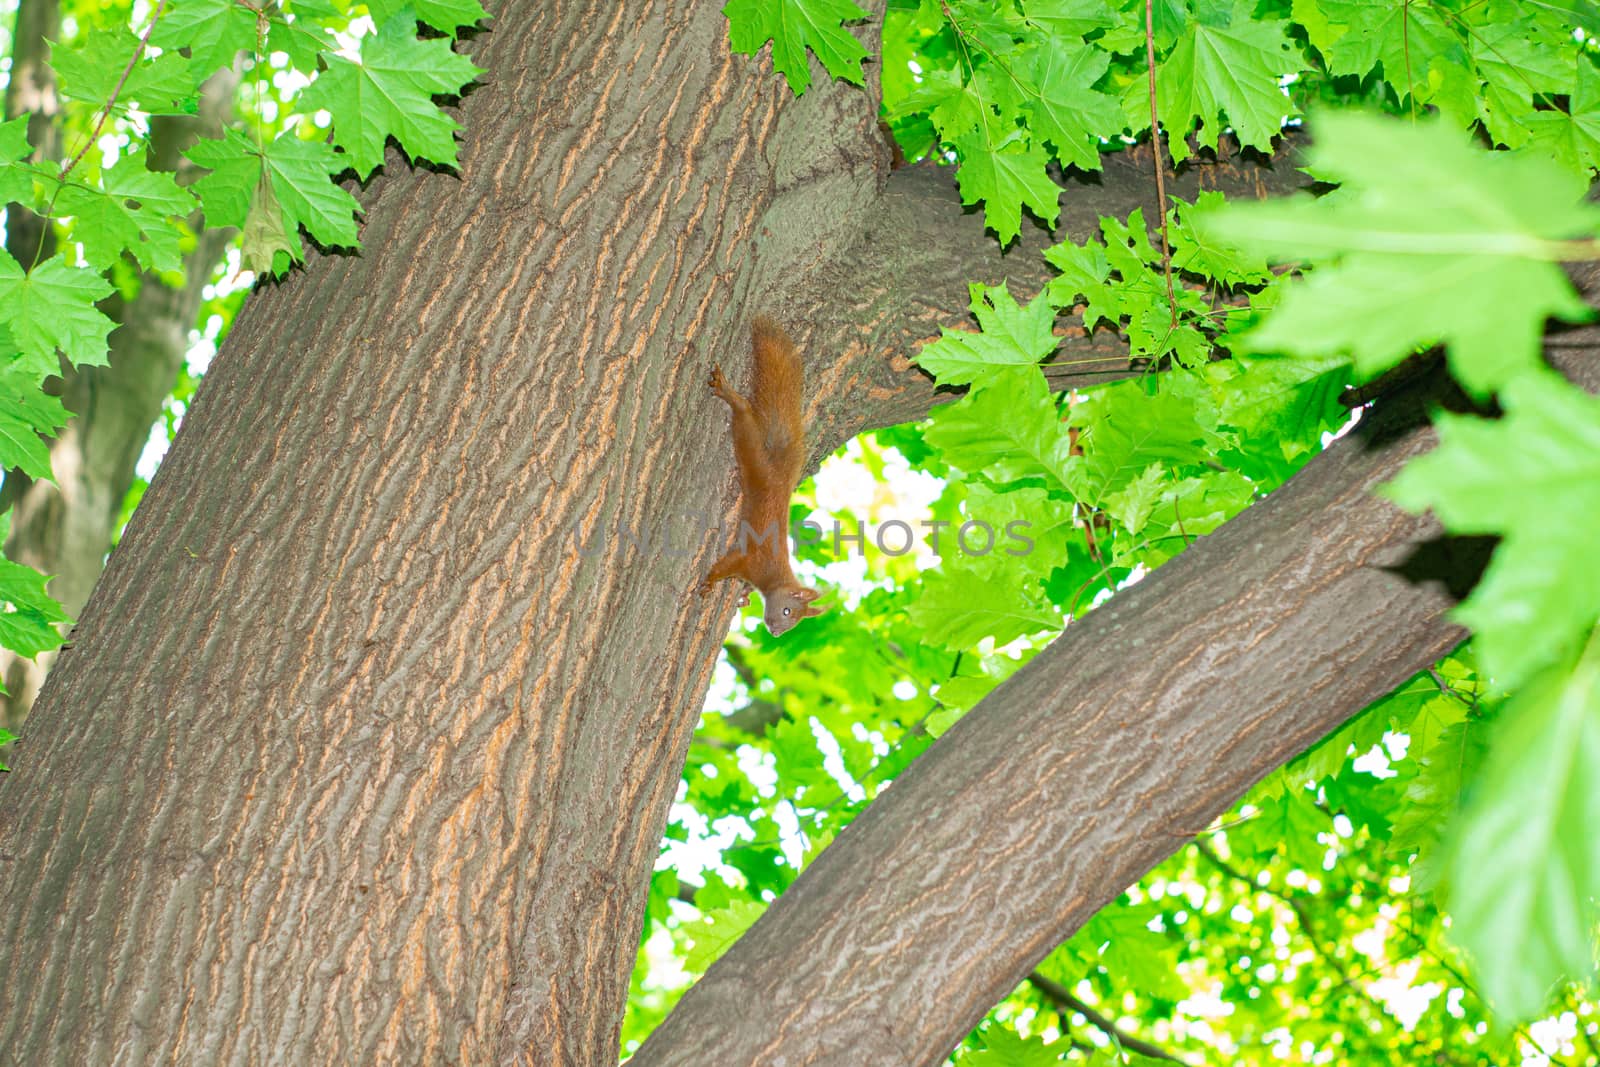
<point x="1021" y="821"/>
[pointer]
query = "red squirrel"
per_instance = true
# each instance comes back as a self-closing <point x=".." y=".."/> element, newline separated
<point x="769" y="446"/>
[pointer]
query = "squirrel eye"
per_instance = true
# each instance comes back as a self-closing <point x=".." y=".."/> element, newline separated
<point x="786" y="611"/>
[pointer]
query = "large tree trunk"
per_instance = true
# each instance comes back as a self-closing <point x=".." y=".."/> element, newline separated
<point x="356" y="759"/>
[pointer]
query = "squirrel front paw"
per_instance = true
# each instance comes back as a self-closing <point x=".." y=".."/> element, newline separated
<point x="719" y="384"/>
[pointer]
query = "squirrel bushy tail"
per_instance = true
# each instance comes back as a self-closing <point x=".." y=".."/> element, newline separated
<point x="777" y="383"/>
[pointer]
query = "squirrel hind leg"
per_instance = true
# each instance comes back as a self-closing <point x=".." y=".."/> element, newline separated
<point x="729" y="395"/>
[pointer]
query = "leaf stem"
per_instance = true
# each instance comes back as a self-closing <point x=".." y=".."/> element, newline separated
<point x="105" y="112"/>
<point x="94" y="134"/>
<point x="1155" y="155"/>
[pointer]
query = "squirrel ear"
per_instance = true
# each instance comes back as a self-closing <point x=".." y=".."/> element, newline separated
<point x="806" y="596"/>
<point x="809" y="610"/>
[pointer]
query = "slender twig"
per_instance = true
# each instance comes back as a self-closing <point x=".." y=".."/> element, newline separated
<point x="1155" y="155"/>
<point x="1062" y="998"/>
<point x="1410" y="930"/>
<point x="966" y="57"/>
<point x="105" y="112"/>
<point x="1468" y="29"/>
<point x="1405" y="49"/>
<point x="1307" y="925"/>
<point x="99" y="124"/>
<point x="1583" y="1025"/>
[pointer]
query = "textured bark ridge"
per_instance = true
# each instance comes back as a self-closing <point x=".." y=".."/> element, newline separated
<point x="358" y="759"/>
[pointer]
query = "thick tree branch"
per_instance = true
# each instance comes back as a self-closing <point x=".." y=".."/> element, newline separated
<point x="909" y="275"/>
<point x="1022" y="821"/>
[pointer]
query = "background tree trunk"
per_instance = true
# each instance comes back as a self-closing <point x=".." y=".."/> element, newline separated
<point x="64" y="527"/>
<point x="356" y="758"/>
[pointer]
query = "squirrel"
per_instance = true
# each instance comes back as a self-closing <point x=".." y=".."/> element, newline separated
<point x="769" y="446"/>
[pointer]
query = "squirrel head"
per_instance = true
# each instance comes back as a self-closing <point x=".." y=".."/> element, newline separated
<point x="782" y="608"/>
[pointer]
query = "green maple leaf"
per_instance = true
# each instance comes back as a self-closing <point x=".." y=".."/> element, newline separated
<point x="1533" y="478"/>
<point x="1011" y="337"/>
<point x="1066" y="109"/>
<point x="1571" y="137"/>
<point x="214" y="31"/>
<point x="793" y="26"/>
<point x="300" y="192"/>
<point x="1029" y="525"/>
<point x="1128" y="244"/>
<point x="949" y="101"/>
<point x="1180" y="511"/>
<point x="1291" y="401"/>
<point x="16" y="176"/>
<point x="235" y="167"/>
<point x="27" y="416"/>
<point x="27" y="612"/>
<point x="1084" y="271"/>
<point x="1434" y="240"/>
<point x="445" y="15"/>
<point x="1583" y="13"/>
<point x="1123" y="943"/>
<point x="993" y="28"/>
<point x="388" y="93"/>
<point x="797" y="758"/>
<point x="1194" y="254"/>
<point x="1433" y="798"/>
<point x="52" y="307"/>
<point x="1363" y="305"/>
<point x="961" y="604"/>
<point x="1524" y="861"/>
<point x="716" y="932"/>
<point x="1123" y="431"/>
<point x="1357" y="35"/>
<point x="300" y="173"/>
<point x="1065" y="19"/>
<point x="1005" y="178"/>
<point x="1516" y="59"/>
<point x="1436" y="716"/>
<point x="1234" y="70"/>
<point x="303" y="34"/>
<point x="1008" y="429"/>
<point x="1003" y="1047"/>
<point x="1134" y="503"/>
<point x="91" y="72"/>
<point x="128" y="212"/>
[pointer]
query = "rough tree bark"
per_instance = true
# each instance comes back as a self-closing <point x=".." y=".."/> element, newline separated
<point x="355" y="758"/>
<point x="64" y="527"/>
